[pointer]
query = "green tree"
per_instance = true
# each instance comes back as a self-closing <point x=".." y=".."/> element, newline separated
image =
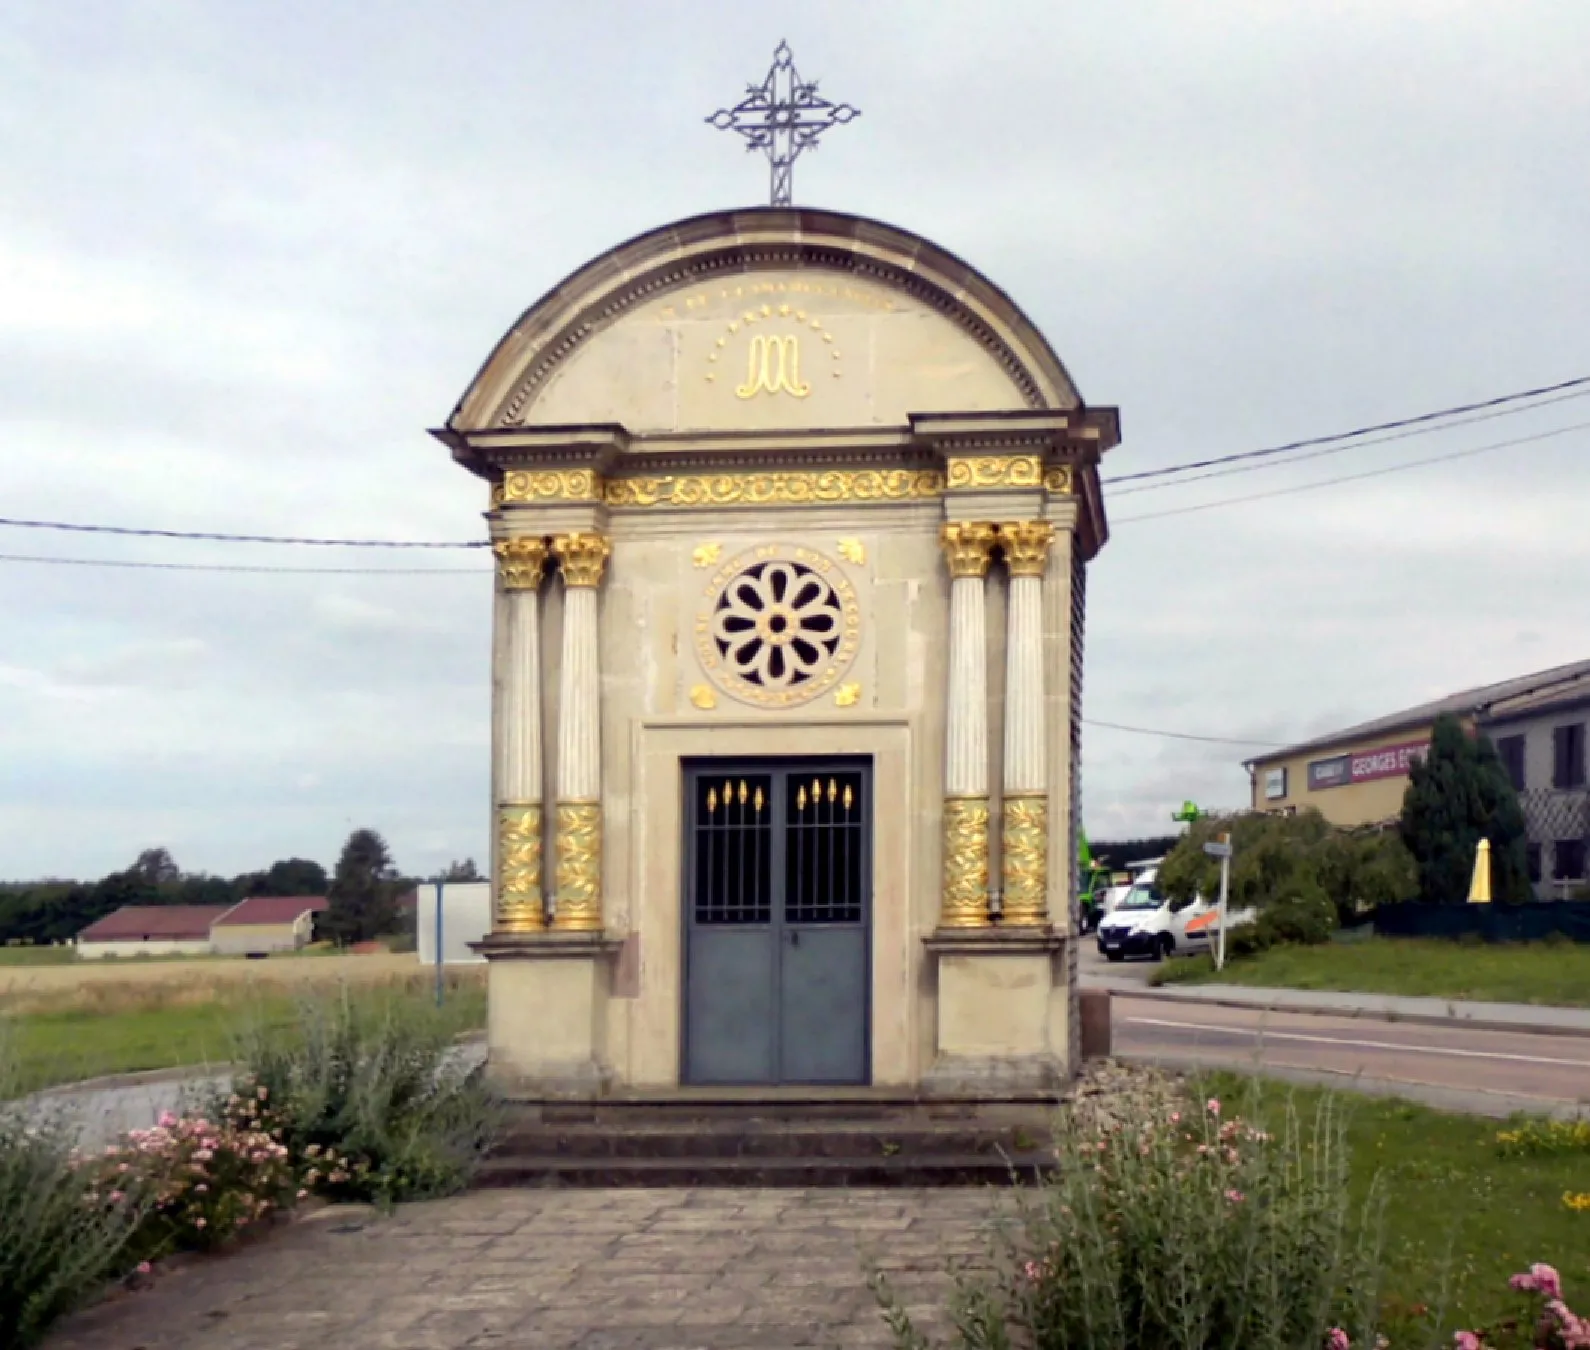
<point x="363" y="894"/>
<point x="157" y="867"/>
<point x="287" y="876"/>
<point x="1303" y="875"/>
<point x="462" y="871"/>
<point x="1459" y="795"/>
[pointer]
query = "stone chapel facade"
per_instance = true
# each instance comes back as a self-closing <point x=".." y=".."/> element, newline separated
<point x="792" y="513"/>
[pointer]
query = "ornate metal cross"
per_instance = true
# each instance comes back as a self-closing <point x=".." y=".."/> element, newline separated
<point x="781" y="117"/>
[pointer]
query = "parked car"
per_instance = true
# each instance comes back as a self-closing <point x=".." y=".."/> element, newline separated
<point x="1112" y="897"/>
<point x="1147" y="923"/>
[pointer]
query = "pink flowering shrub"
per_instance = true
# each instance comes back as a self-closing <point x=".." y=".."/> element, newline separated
<point x="1546" y="1322"/>
<point x="1180" y="1231"/>
<point x="205" y="1180"/>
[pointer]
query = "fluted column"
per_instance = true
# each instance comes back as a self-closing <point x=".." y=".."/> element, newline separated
<point x="1024" y="835"/>
<point x="968" y="547"/>
<point x="578" y="827"/>
<point x="521" y="907"/>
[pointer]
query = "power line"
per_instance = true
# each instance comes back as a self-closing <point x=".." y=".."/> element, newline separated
<point x="1439" y="415"/>
<point x="1340" y="449"/>
<point x="1124" y="520"/>
<point x="1183" y="735"/>
<point x="231" y="567"/>
<point x="1353" y="477"/>
<point x="242" y="538"/>
<point x="213" y="536"/>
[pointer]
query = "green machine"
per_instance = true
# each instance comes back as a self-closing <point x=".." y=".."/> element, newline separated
<point x="1092" y="881"/>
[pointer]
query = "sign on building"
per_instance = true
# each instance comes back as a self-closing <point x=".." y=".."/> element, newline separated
<point x="1364" y="766"/>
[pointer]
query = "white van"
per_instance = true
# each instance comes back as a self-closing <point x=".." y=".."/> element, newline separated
<point x="1144" y="924"/>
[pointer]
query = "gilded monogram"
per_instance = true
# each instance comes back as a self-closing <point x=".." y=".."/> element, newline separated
<point x="773" y="366"/>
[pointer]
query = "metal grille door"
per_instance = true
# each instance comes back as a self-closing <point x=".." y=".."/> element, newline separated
<point x="778" y="884"/>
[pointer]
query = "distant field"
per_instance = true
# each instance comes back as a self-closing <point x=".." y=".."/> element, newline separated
<point x="62" y="1024"/>
<point x="37" y="956"/>
<point x="124" y="985"/>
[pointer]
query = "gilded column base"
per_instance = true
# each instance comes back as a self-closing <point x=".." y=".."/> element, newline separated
<point x="521" y="908"/>
<point x="1024" y="860"/>
<point x="965" y="901"/>
<point x="578" y="848"/>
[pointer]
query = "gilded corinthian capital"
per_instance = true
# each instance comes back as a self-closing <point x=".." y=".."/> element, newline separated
<point x="1025" y="545"/>
<point x="968" y="547"/>
<point x="583" y="557"/>
<point x="520" y="562"/>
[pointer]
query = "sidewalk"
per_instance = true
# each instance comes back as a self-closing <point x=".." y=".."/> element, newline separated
<point x="1527" y="1017"/>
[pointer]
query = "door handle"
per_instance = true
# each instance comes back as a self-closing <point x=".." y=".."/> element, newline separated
<point x="795" y="939"/>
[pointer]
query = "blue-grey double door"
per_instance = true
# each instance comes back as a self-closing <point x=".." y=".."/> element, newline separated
<point x="777" y="901"/>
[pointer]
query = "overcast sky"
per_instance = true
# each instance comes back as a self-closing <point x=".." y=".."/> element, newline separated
<point x="251" y="249"/>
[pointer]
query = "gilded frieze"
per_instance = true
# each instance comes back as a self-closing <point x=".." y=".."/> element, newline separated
<point x="793" y="488"/>
<point x="994" y="471"/>
<point x="550" y="485"/>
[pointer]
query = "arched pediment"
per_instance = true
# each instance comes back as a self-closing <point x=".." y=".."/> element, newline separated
<point x="763" y="320"/>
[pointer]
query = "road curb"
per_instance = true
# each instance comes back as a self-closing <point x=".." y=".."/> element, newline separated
<point x="142" y="1078"/>
<point x="1347" y="1010"/>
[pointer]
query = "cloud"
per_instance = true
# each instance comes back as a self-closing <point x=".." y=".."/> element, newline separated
<point x="248" y="256"/>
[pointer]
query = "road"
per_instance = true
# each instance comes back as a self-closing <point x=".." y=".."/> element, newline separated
<point x="1457" y="1067"/>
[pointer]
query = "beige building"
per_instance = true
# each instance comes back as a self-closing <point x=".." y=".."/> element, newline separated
<point x="263" y="924"/>
<point x="791" y="512"/>
<point x="1359" y="776"/>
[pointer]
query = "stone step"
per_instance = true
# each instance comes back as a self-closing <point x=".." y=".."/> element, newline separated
<point x="761" y="1138"/>
<point x="897" y="1170"/>
<point x="859" y="1106"/>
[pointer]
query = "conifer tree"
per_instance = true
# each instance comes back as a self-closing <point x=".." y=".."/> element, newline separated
<point x="1459" y="795"/>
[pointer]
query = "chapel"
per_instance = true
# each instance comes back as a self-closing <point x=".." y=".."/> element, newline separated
<point x="792" y="513"/>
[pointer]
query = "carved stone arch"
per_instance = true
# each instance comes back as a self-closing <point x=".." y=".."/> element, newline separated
<point x="622" y="286"/>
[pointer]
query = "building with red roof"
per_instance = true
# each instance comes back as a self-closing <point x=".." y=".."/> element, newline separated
<point x="254" y="927"/>
<point x="151" y="930"/>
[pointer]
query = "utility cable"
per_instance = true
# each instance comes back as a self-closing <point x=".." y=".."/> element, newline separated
<point x="1339" y="449"/>
<point x="243" y="538"/>
<point x="1183" y="735"/>
<point x="236" y="567"/>
<point x="1439" y="415"/>
<point x="213" y="536"/>
<point x="1353" y="477"/>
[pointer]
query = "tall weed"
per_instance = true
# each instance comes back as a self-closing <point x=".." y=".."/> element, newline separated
<point x="1181" y="1230"/>
<point x="372" y="1098"/>
<point x="58" y="1244"/>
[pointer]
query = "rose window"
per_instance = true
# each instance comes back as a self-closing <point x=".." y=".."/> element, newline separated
<point x="778" y="625"/>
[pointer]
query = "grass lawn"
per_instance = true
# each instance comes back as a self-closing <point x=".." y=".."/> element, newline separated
<point x="1528" y="972"/>
<point x="37" y="956"/>
<point x="1458" y="1214"/>
<point x="67" y="1045"/>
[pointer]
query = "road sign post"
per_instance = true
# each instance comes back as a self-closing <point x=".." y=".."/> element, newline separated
<point x="441" y="975"/>
<point x="1221" y="849"/>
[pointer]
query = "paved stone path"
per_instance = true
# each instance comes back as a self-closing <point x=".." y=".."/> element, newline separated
<point x="562" y="1270"/>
